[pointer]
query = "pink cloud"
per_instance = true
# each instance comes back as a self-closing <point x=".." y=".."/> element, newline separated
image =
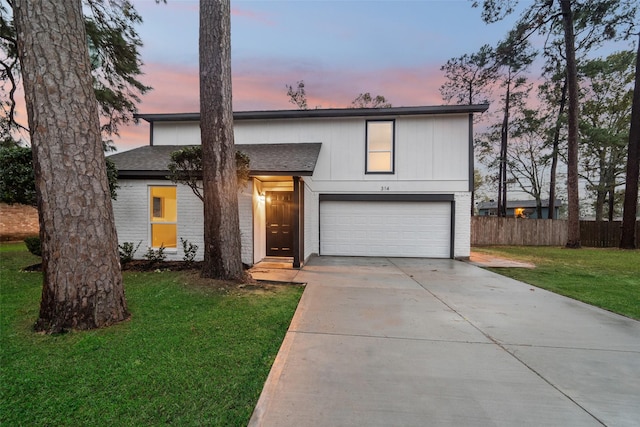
<point x="261" y="85"/>
<point x="262" y="18"/>
<point x="175" y="89"/>
<point x="132" y="136"/>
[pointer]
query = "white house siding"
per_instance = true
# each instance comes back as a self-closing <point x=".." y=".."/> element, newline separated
<point x="431" y="152"/>
<point x="431" y="157"/>
<point x="245" y="215"/>
<point x="131" y="212"/>
<point x="311" y="221"/>
<point x="176" y="133"/>
<point x="462" y="239"/>
<point x="190" y="221"/>
<point x="133" y="198"/>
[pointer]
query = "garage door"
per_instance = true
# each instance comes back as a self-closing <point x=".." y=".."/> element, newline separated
<point x="373" y="228"/>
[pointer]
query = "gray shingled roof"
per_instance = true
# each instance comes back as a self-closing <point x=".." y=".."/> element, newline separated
<point x="265" y="159"/>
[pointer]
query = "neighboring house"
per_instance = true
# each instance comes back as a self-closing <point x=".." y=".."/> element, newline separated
<point x="519" y="208"/>
<point x="358" y="182"/>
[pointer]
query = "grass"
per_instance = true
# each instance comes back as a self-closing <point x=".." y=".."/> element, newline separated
<point x="607" y="278"/>
<point x="190" y="354"/>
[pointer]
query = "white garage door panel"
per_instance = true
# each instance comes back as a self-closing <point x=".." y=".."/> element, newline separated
<point x="401" y="229"/>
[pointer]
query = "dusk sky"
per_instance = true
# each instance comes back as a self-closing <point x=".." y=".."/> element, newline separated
<point x="339" y="48"/>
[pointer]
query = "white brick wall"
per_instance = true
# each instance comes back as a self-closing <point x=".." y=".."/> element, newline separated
<point x="245" y="214"/>
<point x="311" y="221"/>
<point x="131" y="211"/>
<point x="463" y="225"/>
<point x="190" y="222"/>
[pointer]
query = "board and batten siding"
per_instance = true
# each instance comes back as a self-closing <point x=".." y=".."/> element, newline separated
<point x="431" y="153"/>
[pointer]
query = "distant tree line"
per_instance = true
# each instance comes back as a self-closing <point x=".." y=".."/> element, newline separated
<point x="584" y="115"/>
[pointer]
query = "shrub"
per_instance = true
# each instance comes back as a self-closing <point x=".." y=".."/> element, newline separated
<point x="17" y="182"/>
<point x="155" y="255"/>
<point x="189" y="250"/>
<point x="127" y="250"/>
<point x="33" y="244"/>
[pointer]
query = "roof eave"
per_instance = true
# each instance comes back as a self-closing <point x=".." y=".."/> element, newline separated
<point x="147" y="174"/>
<point x="142" y="174"/>
<point x="324" y="113"/>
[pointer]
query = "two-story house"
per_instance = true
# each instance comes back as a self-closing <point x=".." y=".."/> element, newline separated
<point x="392" y="182"/>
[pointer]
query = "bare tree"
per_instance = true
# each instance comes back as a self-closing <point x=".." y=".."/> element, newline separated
<point x="528" y="155"/>
<point x="553" y="93"/>
<point x="82" y="280"/>
<point x="595" y="21"/>
<point x="298" y="96"/>
<point x="469" y="77"/>
<point x="365" y="100"/>
<point x="222" y="252"/>
<point x="512" y="58"/>
<point x="469" y="81"/>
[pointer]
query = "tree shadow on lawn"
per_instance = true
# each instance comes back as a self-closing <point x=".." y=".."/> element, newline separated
<point x="191" y="271"/>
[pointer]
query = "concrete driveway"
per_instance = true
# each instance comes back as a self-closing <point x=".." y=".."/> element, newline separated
<point x="421" y="342"/>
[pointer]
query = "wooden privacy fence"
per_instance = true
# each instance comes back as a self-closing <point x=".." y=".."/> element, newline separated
<point x="491" y="230"/>
<point x="603" y="234"/>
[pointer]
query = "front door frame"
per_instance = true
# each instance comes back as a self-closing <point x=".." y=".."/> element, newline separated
<point x="279" y="223"/>
<point x="297" y="214"/>
<point x="298" y="222"/>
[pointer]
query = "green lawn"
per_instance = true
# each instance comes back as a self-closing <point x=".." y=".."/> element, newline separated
<point x="608" y="278"/>
<point x="190" y="355"/>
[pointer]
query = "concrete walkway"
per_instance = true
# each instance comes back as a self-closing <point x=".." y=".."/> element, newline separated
<point x="415" y="342"/>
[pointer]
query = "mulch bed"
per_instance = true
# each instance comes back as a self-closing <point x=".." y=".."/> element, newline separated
<point x="144" y="265"/>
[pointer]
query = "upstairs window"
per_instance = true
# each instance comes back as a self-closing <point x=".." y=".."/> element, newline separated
<point x="380" y="146"/>
<point x="163" y="216"/>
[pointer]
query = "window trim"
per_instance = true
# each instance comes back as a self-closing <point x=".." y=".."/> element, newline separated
<point x="151" y="211"/>
<point x="393" y="148"/>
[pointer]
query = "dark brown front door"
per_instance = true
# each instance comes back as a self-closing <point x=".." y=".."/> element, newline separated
<point x="279" y="233"/>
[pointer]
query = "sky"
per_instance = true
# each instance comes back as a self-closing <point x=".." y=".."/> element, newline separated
<point x="339" y="48"/>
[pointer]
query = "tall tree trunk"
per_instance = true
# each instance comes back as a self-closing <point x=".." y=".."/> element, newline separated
<point x="554" y="155"/>
<point x="504" y="136"/>
<point x="538" y="207"/>
<point x="82" y="286"/>
<point x="573" y="222"/>
<point x="222" y="254"/>
<point x="627" y="240"/>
